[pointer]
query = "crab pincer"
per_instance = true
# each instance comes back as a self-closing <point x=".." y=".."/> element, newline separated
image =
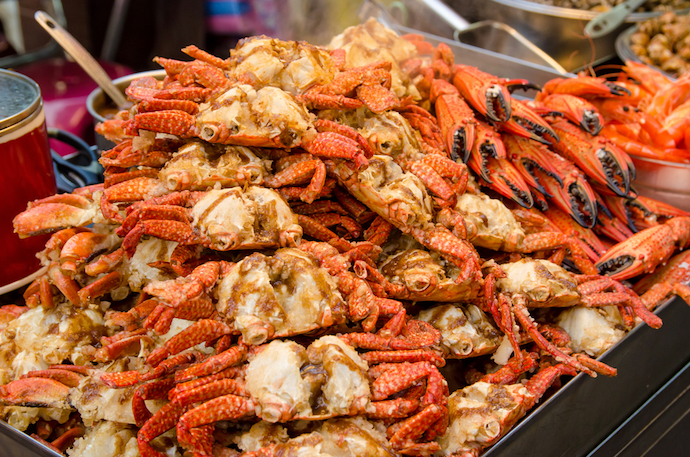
<point x="486" y="93"/>
<point x="526" y="123"/>
<point x="509" y="182"/>
<point x="599" y="158"/>
<point x="455" y="118"/>
<point x="577" y="110"/>
<point x="526" y="155"/>
<point x="574" y="196"/>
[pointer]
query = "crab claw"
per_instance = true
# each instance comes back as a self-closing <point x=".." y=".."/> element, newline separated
<point x="508" y="182"/>
<point x="641" y="212"/>
<point x="54" y="213"/>
<point x="520" y="84"/>
<point x="455" y="118"/>
<point x="483" y="91"/>
<point x="599" y="158"/>
<point x="574" y="196"/>
<point x="639" y="254"/>
<point x="526" y="123"/>
<point x="582" y="86"/>
<point x="487" y="144"/>
<point x="577" y="110"/>
<point x="526" y="155"/>
<point x="35" y="392"/>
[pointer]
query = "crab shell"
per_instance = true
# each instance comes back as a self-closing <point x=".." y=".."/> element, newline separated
<point x="251" y="219"/>
<point x="388" y="133"/>
<point x="335" y="437"/>
<point x="373" y="42"/>
<point x="465" y="329"/>
<point x="592" y="330"/>
<point x="294" y="66"/>
<point x="426" y="277"/>
<point x="397" y="196"/>
<point x="544" y="283"/>
<point x="479" y="415"/>
<point x="267" y="117"/>
<point x="287" y="381"/>
<point x="286" y="294"/>
<point x="198" y="166"/>
<point x="495" y="225"/>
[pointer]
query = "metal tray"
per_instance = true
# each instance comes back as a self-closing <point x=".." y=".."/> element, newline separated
<point x="495" y="63"/>
<point x="577" y="418"/>
<point x="18" y="444"/>
<point x="556" y="30"/>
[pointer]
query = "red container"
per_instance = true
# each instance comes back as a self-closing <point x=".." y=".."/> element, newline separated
<point x="26" y="174"/>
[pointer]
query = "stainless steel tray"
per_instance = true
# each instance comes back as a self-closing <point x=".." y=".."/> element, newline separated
<point x="492" y="62"/>
<point x="558" y="31"/>
<point x="14" y="443"/>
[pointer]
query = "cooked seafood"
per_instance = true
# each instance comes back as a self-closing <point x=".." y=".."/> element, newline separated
<point x="268" y="226"/>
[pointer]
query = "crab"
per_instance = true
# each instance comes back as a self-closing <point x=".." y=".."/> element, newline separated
<point x="197" y="166"/>
<point x="407" y="271"/>
<point x="222" y="219"/>
<point x="390" y="134"/>
<point x="401" y="199"/>
<point x="533" y="283"/>
<point x="482" y="413"/>
<point x="490" y="224"/>
<point x="466" y="329"/>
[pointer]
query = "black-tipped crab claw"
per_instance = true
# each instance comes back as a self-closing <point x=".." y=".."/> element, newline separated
<point x="576" y="110"/>
<point x="526" y="155"/>
<point x="486" y="93"/>
<point x="455" y="118"/>
<point x="575" y="196"/>
<point x="601" y="160"/>
<point x="487" y="144"/>
<point x="508" y="182"/>
<point x="526" y="123"/>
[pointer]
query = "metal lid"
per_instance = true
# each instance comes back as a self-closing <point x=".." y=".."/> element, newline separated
<point x="19" y="98"/>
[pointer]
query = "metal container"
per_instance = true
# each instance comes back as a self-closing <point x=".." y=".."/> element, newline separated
<point x="557" y="31"/>
<point x="26" y="174"/>
<point x="626" y="53"/>
<point x="435" y="17"/>
<point x="97" y="102"/>
<point x="668" y="182"/>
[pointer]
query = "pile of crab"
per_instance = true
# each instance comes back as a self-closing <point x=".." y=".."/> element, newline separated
<point x="289" y="254"/>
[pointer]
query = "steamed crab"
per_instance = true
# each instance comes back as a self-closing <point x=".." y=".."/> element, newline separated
<point x="401" y="199"/>
<point x="410" y="272"/>
<point x="532" y="283"/>
<point x="221" y="219"/>
<point x="197" y="166"/>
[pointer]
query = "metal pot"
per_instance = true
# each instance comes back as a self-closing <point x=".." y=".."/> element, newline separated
<point x="97" y="101"/>
<point x="26" y="174"/>
<point x="557" y="31"/>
